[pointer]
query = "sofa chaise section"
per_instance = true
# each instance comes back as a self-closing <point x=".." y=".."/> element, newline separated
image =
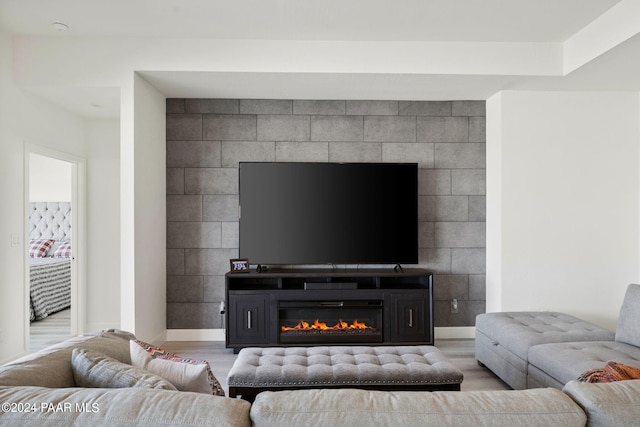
<point x="554" y="365"/>
<point x="503" y="339"/>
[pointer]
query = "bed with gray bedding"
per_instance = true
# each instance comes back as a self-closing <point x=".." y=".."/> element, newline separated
<point x="50" y="272"/>
<point x="50" y="289"/>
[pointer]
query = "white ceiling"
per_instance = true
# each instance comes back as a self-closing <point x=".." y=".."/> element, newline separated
<point x="417" y="20"/>
<point x="510" y="21"/>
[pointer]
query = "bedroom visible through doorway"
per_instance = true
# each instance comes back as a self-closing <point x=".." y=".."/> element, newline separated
<point x="52" y="226"/>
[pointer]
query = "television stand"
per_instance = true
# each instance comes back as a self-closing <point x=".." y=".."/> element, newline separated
<point x="363" y="306"/>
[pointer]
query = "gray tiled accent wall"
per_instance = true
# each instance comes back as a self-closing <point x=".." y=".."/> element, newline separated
<point x="207" y="138"/>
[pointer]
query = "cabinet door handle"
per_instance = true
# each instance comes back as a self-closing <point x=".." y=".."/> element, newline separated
<point x="411" y="317"/>
<point x="249" y="320"/>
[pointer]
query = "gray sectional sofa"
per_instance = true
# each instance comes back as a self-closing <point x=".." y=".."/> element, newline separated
<point x="39" y="390"/>
<point x="548" y="349"/>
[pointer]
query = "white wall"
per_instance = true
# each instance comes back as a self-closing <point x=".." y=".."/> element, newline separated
<point x="143" y="189"/>
<point x="103" y="228"/>
<point x="562" y="201"/>
<point x="107" y="59"/>
<point x="49" y="179"/>
<point x="23" y="119"/>
<point x="493" y="278"/>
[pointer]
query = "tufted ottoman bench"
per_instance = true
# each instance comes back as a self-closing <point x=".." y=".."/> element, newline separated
<point x="503" y="339"/>
<point x="375" y="368"/>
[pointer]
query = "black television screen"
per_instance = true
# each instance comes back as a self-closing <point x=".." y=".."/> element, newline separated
<point x="329" y="213"/>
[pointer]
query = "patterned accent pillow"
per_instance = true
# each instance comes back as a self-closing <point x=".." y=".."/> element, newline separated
<point x="63" y="251"/>
<point x="185" y="374"/>
<point x="38" y="248"/>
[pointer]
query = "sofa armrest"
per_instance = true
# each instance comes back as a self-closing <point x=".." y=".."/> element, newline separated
<point x="97" y="407"/>
<point x="607" y="404"/>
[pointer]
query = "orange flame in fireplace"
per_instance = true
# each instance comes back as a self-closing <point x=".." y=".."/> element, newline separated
<point x="317" y="325"/>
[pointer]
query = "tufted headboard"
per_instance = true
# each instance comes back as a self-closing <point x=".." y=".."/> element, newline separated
<point x="50" y="220"/>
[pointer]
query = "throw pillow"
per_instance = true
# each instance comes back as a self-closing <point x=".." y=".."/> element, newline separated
<point x="63" y="251"/>
<point x="95" y="370"/>
<point x="186" y="374"/>
<point x="38" y="248"/>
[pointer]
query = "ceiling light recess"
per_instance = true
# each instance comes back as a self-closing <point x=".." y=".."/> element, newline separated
<point x="60" y="27"/>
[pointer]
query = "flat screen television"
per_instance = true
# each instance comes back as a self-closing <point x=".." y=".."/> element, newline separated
<point x="328" y="213"/>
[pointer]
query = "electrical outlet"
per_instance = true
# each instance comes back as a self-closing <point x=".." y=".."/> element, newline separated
<point x="454" y="306"/>
<point x="15" y="240"/>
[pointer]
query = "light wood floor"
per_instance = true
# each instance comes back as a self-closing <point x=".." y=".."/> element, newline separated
<point x="52" y="329"/>
<point x="459" y="352"/>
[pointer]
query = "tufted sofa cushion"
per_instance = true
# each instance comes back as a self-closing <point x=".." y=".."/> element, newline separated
<point x="518" y="331"/>
<point x="566" y="361"/>
<point x="342" y="365"/>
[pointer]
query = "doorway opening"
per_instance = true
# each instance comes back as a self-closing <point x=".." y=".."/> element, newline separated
<point x="54" y="228"/>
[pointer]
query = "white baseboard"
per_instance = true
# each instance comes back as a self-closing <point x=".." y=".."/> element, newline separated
<point x="463" y="332"/>
<point x="195" y="335"/>
<point x="455" y="332"/>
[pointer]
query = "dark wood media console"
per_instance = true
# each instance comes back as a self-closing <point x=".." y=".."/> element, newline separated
<point x="329" y="307"/>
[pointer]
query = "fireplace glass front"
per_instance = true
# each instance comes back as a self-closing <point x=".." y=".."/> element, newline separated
<point x="326" y="322"/>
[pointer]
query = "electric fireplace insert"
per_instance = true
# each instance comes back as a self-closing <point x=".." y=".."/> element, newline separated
<point x="330" y="322"/>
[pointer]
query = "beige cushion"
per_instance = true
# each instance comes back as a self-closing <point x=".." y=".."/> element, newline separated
<point x="93" y="369"/>
<point x="607" y="404"/>
<point x="123" y="407"/>
<point x="185" y="374"/>
<point x="51" y="367"/>
<point x="353" y="408"/>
